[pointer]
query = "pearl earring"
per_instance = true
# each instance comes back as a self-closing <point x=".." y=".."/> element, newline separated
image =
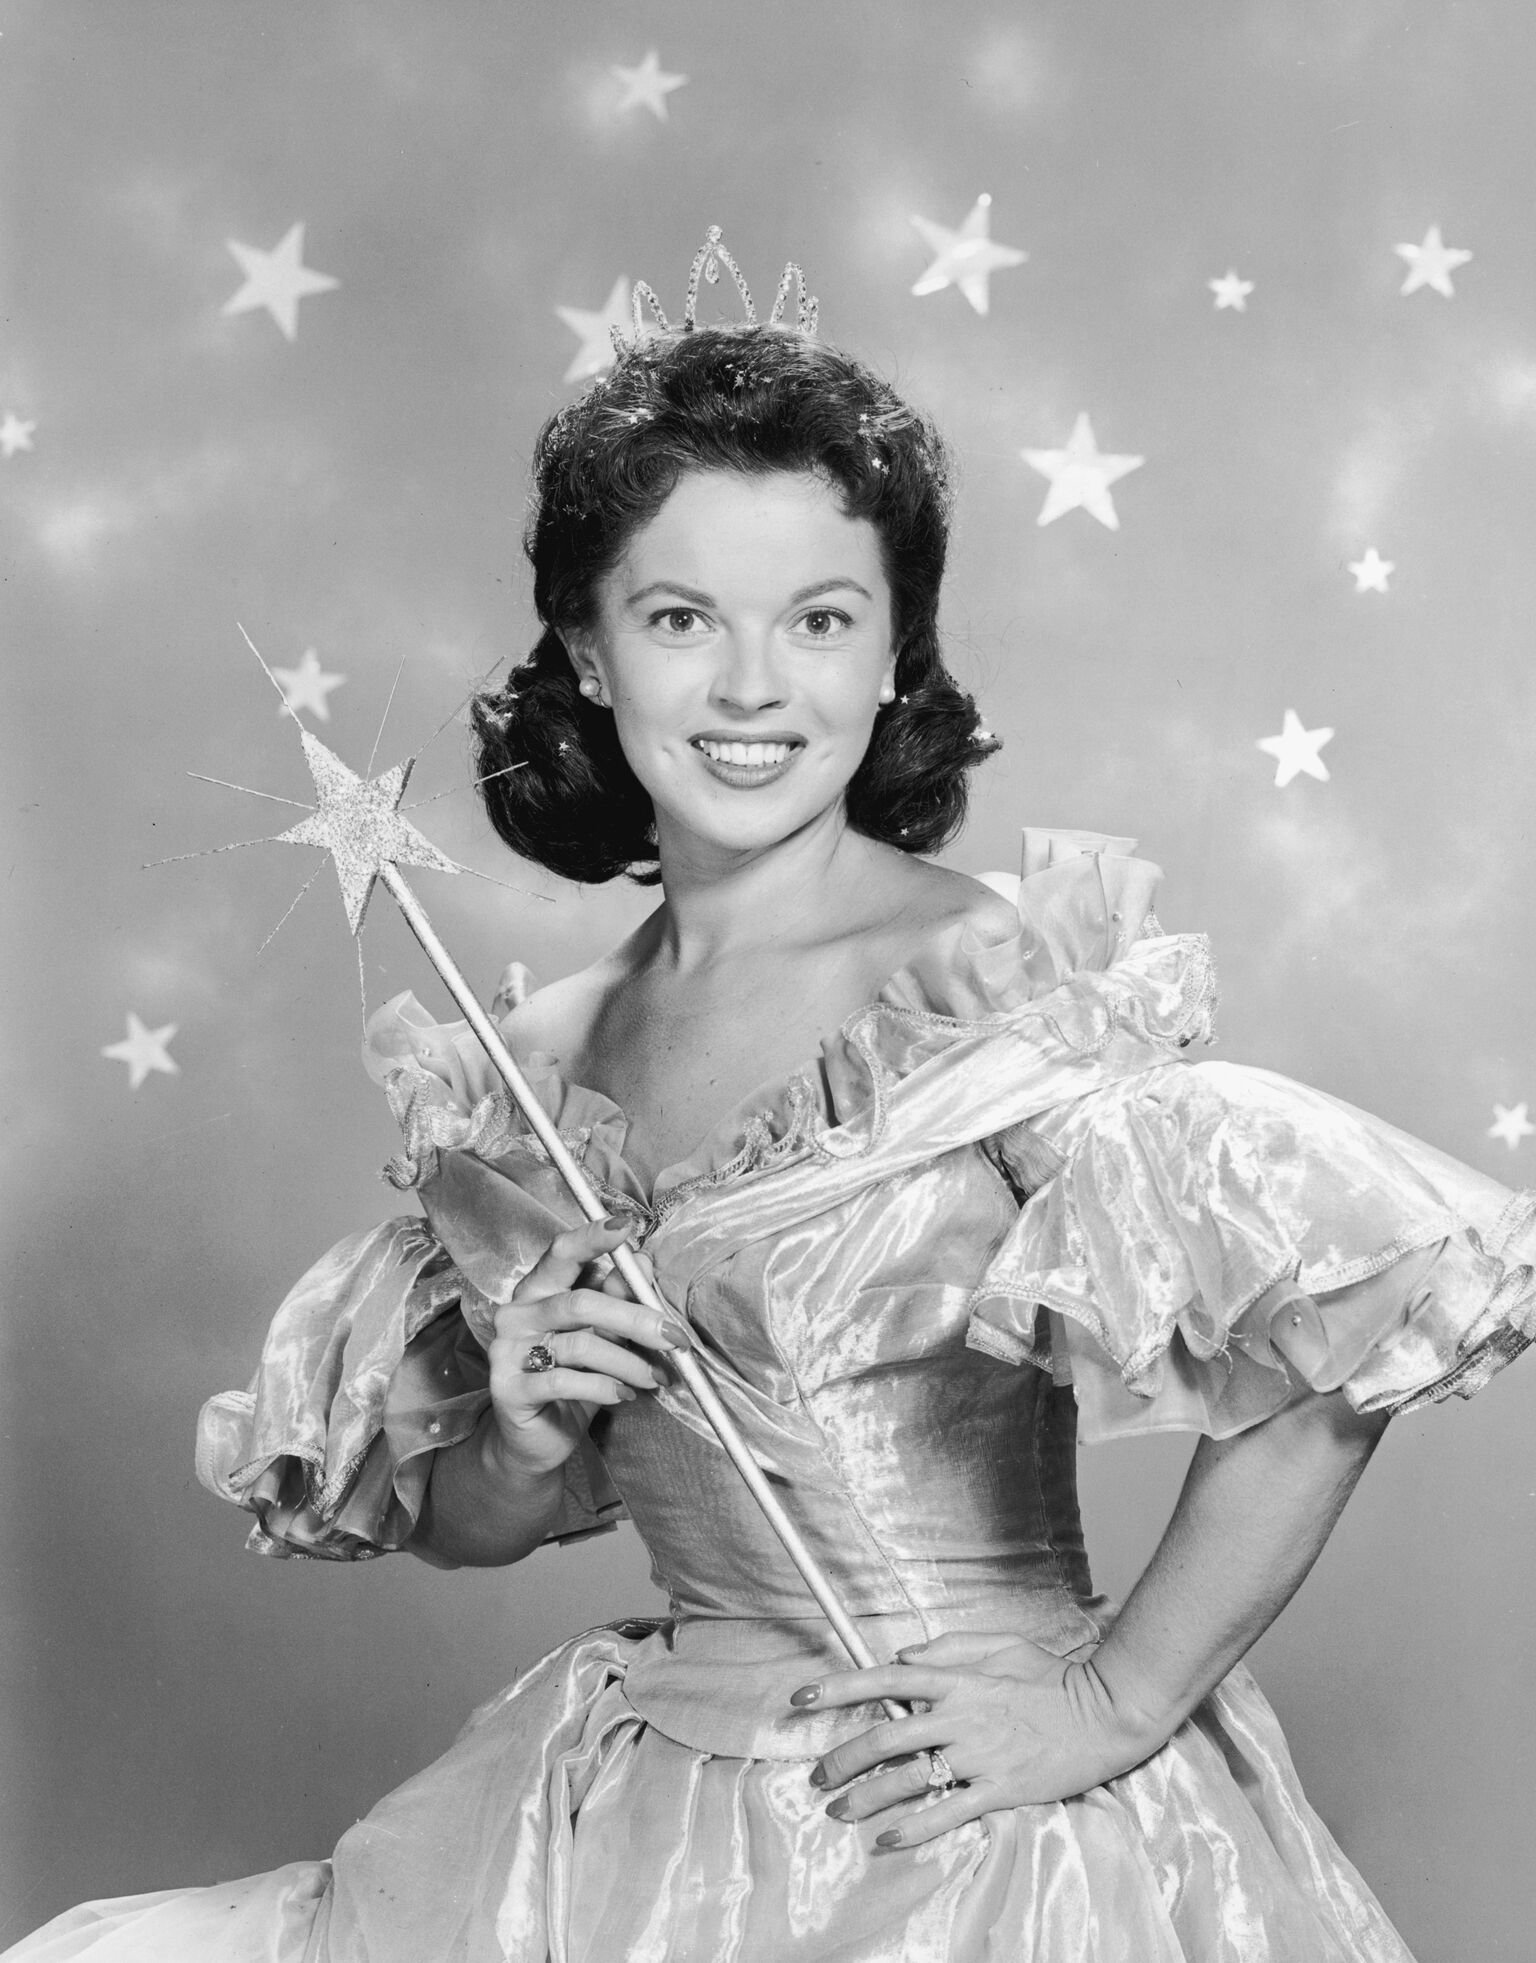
<point x="591" y="688"/>
<point x="887" y="691"/>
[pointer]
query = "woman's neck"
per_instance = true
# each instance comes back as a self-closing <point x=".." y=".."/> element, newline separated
<point x="800" y="892"/>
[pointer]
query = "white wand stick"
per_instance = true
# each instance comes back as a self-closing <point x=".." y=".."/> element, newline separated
<point x="358" y="822"/>
<point x="640" y="1285"/>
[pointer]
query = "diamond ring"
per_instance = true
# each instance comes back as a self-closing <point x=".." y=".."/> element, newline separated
<point x="540" y="1357"/>
<point x="940" y="1778"/>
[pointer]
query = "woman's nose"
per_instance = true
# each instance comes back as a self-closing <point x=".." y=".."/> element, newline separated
<point x="747" y="678"/>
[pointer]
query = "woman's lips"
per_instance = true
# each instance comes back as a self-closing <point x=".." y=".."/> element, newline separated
<point x="745" y="765"/>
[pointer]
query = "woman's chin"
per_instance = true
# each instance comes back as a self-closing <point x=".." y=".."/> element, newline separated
<point x="746" y="831"/>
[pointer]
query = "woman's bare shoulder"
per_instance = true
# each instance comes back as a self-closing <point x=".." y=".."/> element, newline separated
<point x="945" y="899"/>
<point x="557" y="1017"/>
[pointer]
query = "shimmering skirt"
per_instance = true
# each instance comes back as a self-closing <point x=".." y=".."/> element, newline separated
<point x="561" y="1826"/>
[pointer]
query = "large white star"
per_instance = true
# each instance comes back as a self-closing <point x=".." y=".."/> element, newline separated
<point x="1231" y="292"/>
<point x="307" y="686"/>
<point x="1080" y="475"/>
<point x="1511" y="1122"/>
<point x="966" y="258"/>
<point x="358" y="824"/>
<point x="144" y="1050"/>
<point x="276" y="280"/>
<point x="1372" y="572"/>
<point x="1431" y="264"/>
<point x="15" y="434"/>
<point x="649" y="84"/>
<point x="594" y="327"/>
<point x="1296" y="749"/>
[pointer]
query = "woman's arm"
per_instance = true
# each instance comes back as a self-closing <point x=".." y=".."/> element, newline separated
<point x="479" y="1510"/>
<point x="1022" y="1726"/>
<point x="1253" y="1515"/>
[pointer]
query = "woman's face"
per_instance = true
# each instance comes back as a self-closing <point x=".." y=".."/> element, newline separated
<point x="743" y="643"/>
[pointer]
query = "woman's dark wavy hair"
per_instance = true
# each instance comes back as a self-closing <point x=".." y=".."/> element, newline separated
<point x="753" y="399"/>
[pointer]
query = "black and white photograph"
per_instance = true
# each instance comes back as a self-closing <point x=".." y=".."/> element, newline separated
<point x="770" y="894"/>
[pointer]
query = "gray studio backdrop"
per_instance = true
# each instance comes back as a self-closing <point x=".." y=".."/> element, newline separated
<point x="173" y="463"/>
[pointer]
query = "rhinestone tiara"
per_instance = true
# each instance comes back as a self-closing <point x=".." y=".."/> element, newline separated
<point x="707" y="262"/>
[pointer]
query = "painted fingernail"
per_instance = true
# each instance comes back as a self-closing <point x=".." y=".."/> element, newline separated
<point x="659" y="1377"/>
<point x="837" y="1809"/>
<point x="614" y="1221"/>
<point x="626" y="1394"/>
<point x="807" y="1694"/>
<point x="912" y="1649"/>
<point x="890" y="1838"/>
<point x="817" y="1776"/>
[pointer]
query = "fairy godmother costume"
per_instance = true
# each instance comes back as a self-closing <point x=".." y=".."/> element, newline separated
<point x="1000" y="1210"/>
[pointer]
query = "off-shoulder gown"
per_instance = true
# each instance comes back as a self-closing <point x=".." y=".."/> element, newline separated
<point x="1000" y="1211"/>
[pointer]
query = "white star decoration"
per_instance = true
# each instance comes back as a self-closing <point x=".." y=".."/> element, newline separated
<point x="307" y="686"/>
<point x="144" y="1050"/>
<point x="1080" y="475"/>
<point x="15" y="434"/>
<point x="649" y="84"/>
<point x="276" y="280"/>
<point x="1231" y="292"/>
<point x="966" y="258"/>
<point x="1372" y="572"/>
<point x="594" y="328"/>
<point x="1431" y="264"/>
<point x="1511" y="1122"/>
<point x="358" y="824"/>
<point x="1296" y="750"/>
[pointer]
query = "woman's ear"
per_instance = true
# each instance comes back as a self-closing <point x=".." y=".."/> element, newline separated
<point x="578" y="649"/>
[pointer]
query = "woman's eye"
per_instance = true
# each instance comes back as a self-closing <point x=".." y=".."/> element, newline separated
<point x="821" y="622"/>
<point x="677" y="620"/>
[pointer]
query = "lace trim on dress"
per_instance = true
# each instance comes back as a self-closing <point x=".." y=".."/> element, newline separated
<point x="432" y="1123"/>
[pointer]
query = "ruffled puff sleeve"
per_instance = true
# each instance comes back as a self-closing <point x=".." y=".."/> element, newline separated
<point x="1214" y="1242"/>
<point x="377" y="1358"/>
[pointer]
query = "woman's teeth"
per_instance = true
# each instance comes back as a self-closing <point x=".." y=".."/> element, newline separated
<point x="752" y="756"/>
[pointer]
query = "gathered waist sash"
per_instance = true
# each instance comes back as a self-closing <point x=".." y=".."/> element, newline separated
<point x="722" y="1684"/>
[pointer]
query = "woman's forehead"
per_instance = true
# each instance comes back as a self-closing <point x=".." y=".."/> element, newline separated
<point x="724" y="517"/>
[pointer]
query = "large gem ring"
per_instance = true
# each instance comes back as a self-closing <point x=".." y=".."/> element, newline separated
<point x="540" y="1357"/>
<point x="940" y="1777"/>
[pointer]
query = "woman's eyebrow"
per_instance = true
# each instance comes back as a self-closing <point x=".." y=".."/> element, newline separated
<point x="707" y="600"/>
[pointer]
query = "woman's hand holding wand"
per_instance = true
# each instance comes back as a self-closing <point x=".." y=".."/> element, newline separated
<point x="1019" y="1726"/>
<point x="563" y="1350"/>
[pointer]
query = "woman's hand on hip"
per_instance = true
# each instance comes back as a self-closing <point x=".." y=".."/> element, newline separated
<point x="1017" y="1726"/>
<point x="590" y="1346"/>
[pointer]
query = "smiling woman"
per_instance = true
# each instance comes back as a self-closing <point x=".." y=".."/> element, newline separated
<point x="930" y="1186"/>
<point x="811" y="463"/>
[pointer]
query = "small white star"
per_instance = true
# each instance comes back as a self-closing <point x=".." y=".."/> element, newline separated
<point x="1231" y="292"/>
<point x="966" y="258"/>
<point x="594" y="327"/>
<point x="307" y="686"/>
<point x="1372" y="572"/>
<point x="144" y="1050"/>
<point x="649" y="84"/>
<point x="1080" y="476"/>
<point x="276" y="280"/>
<point x="1431" y="264"/>
<point x="1296" y="749"/>
<point x="1511" y="1122"/>
<point x="15" y="434"/>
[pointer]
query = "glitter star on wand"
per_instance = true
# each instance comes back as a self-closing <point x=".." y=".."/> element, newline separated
<point x="359" y="823"/>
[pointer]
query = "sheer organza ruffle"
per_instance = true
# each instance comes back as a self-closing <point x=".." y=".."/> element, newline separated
<point x="369" y="1367"/>
<point x="1218" y="1239"/>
